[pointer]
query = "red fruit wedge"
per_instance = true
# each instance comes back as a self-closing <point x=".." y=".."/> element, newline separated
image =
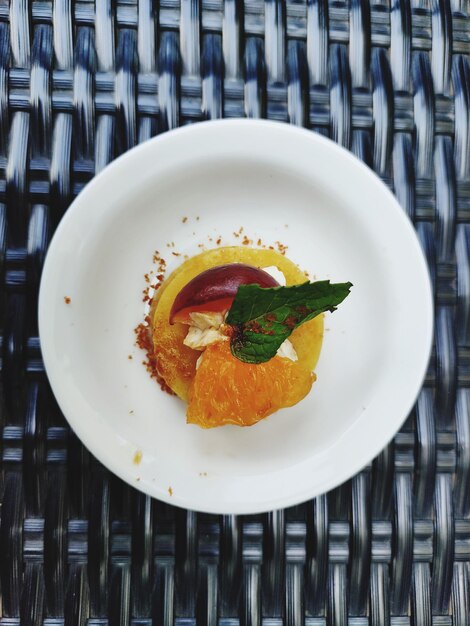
<point x="215" y="289"/>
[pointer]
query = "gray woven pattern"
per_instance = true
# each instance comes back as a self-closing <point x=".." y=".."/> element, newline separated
<point x="80" y="82"/>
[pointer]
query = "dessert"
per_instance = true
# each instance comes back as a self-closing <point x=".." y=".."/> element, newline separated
<point x="234" y="338"/>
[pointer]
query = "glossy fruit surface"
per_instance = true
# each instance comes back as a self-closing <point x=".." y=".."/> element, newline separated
<point x="177" y="362"/>
<point x="228" y="391"/>
<point x="215" y="288"/>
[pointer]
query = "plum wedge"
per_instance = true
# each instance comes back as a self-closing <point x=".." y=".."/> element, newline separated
<point x="215" y="289"/>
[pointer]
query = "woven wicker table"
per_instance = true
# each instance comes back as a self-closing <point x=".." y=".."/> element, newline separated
<point x="83" y="81"/>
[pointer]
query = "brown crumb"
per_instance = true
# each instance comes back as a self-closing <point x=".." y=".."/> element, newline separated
<point x="184" y="220"/>
<point x="219" y="239"/>
<point x="281" y="247"/>
<point x="176" y="253"/>
<point x="67" y="300"/>
<point x="246" y="241"/>
<point x="129" y="356"/>
<point x="137" y="457"/>
<point x="170" y="491"/>
<point x="259" y="242"/>
<point x="145" y="343"/>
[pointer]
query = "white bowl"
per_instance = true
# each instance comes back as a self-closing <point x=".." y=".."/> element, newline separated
<point x="342" y="224"/>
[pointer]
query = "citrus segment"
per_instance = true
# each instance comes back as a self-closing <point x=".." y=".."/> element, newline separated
<point x="228" y="391"/>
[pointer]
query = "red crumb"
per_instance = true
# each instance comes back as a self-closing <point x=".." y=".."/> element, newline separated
<point x="184" y="220"/>
<point x="67" y="300"/>
<point x="145" y="343"/>
<point x="291" y="322"/>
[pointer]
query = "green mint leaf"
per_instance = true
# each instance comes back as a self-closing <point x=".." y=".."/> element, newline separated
<point x="264" y="318"/>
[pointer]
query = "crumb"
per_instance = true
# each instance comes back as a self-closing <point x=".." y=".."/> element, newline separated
<point x="200" y="245"/>
<point x="176" y="254"/>
<point x="218" y="241"/>
<point x="281" y="247"/>
<point x="184" y="220"/>
<point x="170" y="491"/>
<point x="210" y="238"/>
<point x="67" y="300"/>
<point x="202" y="473"/>
<point x="259" y="242"/>
<point x="131" y="412"/>
<point x="246" y="241"/>
<point x="197" y="218"/>
<point x="145" y="343"/>
<point x="137" y="479"/>
<point x="137" y="457"/>
<point x="129" y="356"/>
